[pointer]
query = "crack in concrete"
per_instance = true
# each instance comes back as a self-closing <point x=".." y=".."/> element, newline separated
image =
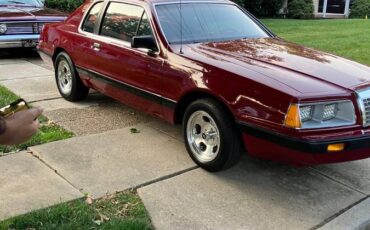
<point x="340" y="212"/>
<point x="22" y="78"/>
<point x="329" y="219"/>
<point x="337" y="181"/>
<point x="53" y="169"/>
<point x="55" y="98"/>
<point x="168" y="134"/>
<point x="46" y="99"/>
<point x="166" y="177"/>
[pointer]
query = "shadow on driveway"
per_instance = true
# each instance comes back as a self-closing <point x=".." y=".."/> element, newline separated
<point x="17" y="53"/>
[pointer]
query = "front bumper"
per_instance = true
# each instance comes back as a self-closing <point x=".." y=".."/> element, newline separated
<point x="301" y="152"/>
<point x="19" y="41"/>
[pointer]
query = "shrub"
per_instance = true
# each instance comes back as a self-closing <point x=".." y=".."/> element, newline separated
<point x="262" y="8"/>
<point x="63" y="5"/>
<point x="300" y="9"/>
<point x="360" y="8"/>
<point x="253" y="6"/>
<point x="239" y="2"/>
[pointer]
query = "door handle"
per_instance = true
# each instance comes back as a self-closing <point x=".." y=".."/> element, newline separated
<point x="96" y="46"/>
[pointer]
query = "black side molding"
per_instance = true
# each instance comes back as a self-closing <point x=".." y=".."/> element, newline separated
<point x="131" y="89"/>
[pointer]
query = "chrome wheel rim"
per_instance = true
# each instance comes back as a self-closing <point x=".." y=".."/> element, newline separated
<point x="64" y="77"/>
<point x="203" y="136"/>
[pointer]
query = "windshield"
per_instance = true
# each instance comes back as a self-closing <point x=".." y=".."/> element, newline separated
<point x="206" y="22"/>
<point x="37" y="3"/>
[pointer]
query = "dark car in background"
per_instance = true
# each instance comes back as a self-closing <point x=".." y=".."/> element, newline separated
<point x="22" y="20"/>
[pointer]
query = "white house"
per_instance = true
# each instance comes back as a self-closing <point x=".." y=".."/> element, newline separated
<point x="329" y="8"/>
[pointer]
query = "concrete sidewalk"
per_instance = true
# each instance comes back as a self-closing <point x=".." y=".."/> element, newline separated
<point x="253" y="195"/>
<point x="116" y="160"/>
<point x="26" y="184"/>
<point x="106" y="157"/>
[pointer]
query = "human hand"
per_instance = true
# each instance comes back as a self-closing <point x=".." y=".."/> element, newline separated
<point x="21" y="126"/>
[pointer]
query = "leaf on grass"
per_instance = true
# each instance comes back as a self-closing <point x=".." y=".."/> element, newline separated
<point x="101" y="219"/>
<point x="98" y="222"/>
<point x="134" y="130"/>
<point x="122" y="211"/>
<point x="104" y="218"/>
<point x="89" y="199"/>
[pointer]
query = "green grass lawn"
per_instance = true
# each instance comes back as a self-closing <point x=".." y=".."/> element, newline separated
<point x="47" y="133"/>
<point x="121" y="211"/>
<point x="349" y="38"/>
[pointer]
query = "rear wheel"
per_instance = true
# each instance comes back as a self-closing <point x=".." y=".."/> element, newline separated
<point x="69" y="83"/>
<point x="211" y="137"/>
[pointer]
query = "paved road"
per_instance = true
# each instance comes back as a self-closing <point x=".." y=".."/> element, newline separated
<point x="106" y="157"/>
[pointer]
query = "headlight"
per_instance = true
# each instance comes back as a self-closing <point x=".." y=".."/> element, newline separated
<point x="320" y="115"/>
<point x="3" y="28"/>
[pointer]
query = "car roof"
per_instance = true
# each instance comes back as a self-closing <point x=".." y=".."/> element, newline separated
<point x="184" y="1"/>
<point x="178" y="1"/>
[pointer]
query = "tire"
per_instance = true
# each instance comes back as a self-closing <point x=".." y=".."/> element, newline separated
<point x="68" y="82"/>
<point x="211" y="137"/>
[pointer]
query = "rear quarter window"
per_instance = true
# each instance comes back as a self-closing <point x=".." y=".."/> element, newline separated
<point x="92" y="17"/>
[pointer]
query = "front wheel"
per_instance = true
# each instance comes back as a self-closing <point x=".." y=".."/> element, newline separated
<point x="211" y="137"/>
<point x="69" y="83"/>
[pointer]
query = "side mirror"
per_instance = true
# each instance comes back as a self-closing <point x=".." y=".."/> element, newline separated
<point x="146" y="42"/>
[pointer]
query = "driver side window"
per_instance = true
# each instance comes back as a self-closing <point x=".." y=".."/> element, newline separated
<point x="144" y="28"/>
<point x="124" y="21"/>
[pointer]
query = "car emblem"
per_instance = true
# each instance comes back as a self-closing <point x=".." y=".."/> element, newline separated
<point x="3" y="28"/>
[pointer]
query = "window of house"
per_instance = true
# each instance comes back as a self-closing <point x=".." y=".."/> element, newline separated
<point x="92" y="17"/>
<point x="333" y="6"/>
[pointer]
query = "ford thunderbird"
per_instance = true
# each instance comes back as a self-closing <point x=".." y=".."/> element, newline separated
<point x="21" y="22"/>
<point x="214" y="68"/>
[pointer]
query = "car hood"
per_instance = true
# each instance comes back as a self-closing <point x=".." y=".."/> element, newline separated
<point x="303" y="69"/>
<point x="14" y="13"/>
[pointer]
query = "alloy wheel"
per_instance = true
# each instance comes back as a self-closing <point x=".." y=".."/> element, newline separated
<point x="203" y="136"/>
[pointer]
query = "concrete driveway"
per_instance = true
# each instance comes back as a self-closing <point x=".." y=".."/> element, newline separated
<point x="106" y="157"/>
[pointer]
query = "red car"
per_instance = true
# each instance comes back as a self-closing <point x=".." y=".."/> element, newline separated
<point x="216" y="69"/>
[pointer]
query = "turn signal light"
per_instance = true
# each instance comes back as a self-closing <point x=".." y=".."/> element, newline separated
<point x="335" y="147"/>
<point x="292" y="119"/>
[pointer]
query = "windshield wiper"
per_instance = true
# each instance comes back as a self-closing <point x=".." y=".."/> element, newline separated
<point x="17" y="2"/>
<point x="21" y="3"/>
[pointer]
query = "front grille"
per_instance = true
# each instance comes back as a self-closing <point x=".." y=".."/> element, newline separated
<point x="24" y="27"/>
<point x="364" y="104"/>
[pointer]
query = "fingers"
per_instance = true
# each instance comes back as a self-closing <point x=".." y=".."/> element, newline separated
<point x="28" y="115"/>
<point x="35" y="112"/>
<point x="21" y="126"/>
<point x="31" y="130"/>
<point x="36" y="124"/>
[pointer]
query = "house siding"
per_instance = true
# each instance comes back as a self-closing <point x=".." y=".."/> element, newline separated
<point x="316" y="5"/>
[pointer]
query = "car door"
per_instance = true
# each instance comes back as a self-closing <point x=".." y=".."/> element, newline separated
<point x="130" y="75"/>
<point x="83" y="55"/>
